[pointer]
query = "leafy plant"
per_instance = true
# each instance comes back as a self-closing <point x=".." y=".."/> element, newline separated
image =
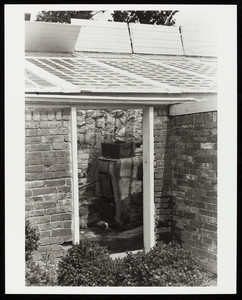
<point x="89" y="264"/>
<point x="42" y="272"/>
<point x="86" y="264"/>
<point x="31" y="240"/>
<point x="164" y="265"/>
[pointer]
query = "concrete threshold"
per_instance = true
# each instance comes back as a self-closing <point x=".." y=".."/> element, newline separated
<point x="123" y="254"/>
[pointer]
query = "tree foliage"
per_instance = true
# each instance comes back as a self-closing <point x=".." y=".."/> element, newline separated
<point x="63" y="16"/>
<point x="159" y="17"/>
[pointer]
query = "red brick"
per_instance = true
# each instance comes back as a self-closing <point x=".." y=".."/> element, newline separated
<point x="43" y="162"/>
<point x="34" y="184"/>
<point x="55" y="167"/>
<point x="37" y="132"/>
<point x="50" y="124"/>
<point x="39" y="147"/>
<point x="61" y="232"/>
<point x="62" y="174"/>
<point x="34" y="169"/>
<point x="43" y="191"/>
<point x="60" y="146"/>
<point x="54" y="197"/>
<point x="54" y="138"/>
<point x="37" y="198"/>
<point x="67" y="224"/>
<point x="60" y="153"/>
<point x="31" y="125"/>
<point x="45" y="205"/>
<point x="52" y="240"/>
<point x="56" y="210"/>
<point x="51" y="115"/>
<point x="29" y="207"/>
<point x="45" y="234"/>
<point x="61" y="217"/>
<point x="55" y="182"/>
<point x="34" y="213"/>
<point x="46" y="175"/>
<point x="33" y="155"/>
<point x="64" y="189"/>
<point x="32" y="140"/>
<point x="28" y="193"/>
<point x="61" y="160"/>
<point x="51" y="225"/>
<point x="59" y="131"/>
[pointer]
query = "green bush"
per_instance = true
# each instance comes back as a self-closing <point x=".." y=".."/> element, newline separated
<point x="41" y="273"/>
<point x="89" y="264"/>
<point x="86" y="264"/>
<point x="164" y="265"/>
<point x="31" y="240"/>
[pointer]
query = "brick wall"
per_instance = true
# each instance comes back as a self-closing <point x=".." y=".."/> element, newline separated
<point x="193" y="139"/>
<point x="186" y="182"/>
<point x="162" y="176"/>
<point x="48" y="179"/>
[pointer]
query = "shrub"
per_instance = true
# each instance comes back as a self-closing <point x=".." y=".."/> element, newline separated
<point x="89" y="264"/>
<point x="31" y="240"/>
<point x="86" y="264"/>
<point x="164" y="265"/>
<point x="41" y="273"/>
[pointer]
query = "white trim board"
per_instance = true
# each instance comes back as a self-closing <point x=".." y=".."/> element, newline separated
<point x="193" y="108"/>
<point x="148" y="178"/>
<point x="75" y="190"/>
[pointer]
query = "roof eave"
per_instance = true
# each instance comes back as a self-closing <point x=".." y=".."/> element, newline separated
<point x="114" y="100"/>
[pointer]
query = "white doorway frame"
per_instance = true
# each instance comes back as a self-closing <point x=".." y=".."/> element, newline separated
<point x="148" y="178"/>
<point x="147" y="103"/>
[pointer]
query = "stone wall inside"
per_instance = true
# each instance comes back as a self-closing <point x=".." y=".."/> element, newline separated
<point x="95" y="127"/>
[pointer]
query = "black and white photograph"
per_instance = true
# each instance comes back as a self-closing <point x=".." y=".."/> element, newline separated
<point x="122" y="163"/>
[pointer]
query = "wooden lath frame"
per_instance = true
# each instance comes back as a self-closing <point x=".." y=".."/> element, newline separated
<point x="159" y="63"/>
<point x="165" y="87"/>
<point x="58" y="82"/>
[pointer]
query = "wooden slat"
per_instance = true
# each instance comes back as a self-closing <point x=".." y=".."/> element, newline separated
<point x="193" y="108"/>
<point x="179" y="70"/>
<point x="148" y="178"/>
<point x="199" y="41"/>
<point x="155" y="39"/>
<point x="60" y="83"/>
<point x="164" y="86"/>
<point x="102" y="36"/>
<point x="75" y="191"/>
<point x="50" y="37"/>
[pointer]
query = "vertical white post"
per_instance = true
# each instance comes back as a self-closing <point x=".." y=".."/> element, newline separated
<point x="148" y="178"/>
<point x="75" y="190"/>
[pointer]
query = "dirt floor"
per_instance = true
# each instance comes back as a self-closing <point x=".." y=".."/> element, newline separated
<point x="116" y="241"/>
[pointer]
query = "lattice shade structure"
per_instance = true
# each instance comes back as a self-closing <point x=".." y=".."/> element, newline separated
<point x="126" y="73"/>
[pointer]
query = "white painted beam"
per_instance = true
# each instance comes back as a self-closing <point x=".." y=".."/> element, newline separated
<point x="75" y="190"/>
<point x="148" y="178"/>
<point x="193" y="108"/>
<point x="101" y="101"/>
